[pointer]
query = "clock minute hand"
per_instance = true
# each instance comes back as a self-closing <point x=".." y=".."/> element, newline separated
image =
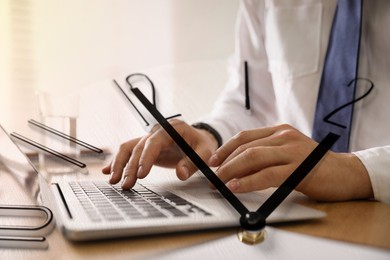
<point x="294" y="179"/>
<point x="187" y="149"/>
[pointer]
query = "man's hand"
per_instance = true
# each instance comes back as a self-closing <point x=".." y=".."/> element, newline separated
<point x="136" y="157"/>
<point x="262" y="158"/>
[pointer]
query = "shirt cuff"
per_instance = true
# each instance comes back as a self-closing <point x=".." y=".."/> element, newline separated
<point x="376" y="160"/>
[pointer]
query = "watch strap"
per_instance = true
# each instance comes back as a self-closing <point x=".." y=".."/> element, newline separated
<point x="210" y="129"/>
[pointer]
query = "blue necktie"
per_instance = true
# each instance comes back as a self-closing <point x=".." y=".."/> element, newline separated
<point x="340" y="69"/>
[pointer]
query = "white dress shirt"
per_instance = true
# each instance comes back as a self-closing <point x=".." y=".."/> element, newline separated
<point x="284" y="43"/>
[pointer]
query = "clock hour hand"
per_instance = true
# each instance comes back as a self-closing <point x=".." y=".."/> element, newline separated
<point x="187" y="149"/>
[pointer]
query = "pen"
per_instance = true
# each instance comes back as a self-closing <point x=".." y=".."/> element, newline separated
<point x="65" y="136"/>
<point x="48" y="150"/>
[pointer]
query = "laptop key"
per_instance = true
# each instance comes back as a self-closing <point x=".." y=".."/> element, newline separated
<point x="101" y="201"/>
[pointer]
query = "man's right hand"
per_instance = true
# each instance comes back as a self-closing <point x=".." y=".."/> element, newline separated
<point x="136" y="157"/>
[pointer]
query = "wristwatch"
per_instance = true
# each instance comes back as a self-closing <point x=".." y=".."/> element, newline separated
<point x="209" y="129"/>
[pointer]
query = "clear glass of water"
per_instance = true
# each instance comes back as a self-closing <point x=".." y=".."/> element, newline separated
<point x="60" y="112"/>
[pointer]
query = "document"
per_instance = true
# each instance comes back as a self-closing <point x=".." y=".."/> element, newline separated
<point x="278" y="244"/>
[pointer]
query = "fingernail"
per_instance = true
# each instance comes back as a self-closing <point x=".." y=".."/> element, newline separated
<point x="140" y="171"/>
<point x="186" y="173"/>
<point x="111" y="174"/>
<point x="233" y="185"/>
<point x="124" y="180"/>
<point x="213" y="159"/>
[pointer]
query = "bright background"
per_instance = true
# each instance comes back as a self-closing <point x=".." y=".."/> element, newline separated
<point x="58" y="45"/>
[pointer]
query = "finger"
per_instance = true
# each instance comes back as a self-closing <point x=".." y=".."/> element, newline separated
<point x="107" y="169"/>
<point x="130" y="173"/>
<point x="250" y="161"/>
<point x="129" y="179"/>
<point x="120" y="160"/>
<point x="186" y="168"/>
<point x="151" y="151"/>
<point x="268" y="141"/>
<point x="183" y="171"/>
<point x="238" y="140"/>
<point x="266" y="178"/>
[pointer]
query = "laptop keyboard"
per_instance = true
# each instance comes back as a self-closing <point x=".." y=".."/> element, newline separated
<point x="104" y="202"/>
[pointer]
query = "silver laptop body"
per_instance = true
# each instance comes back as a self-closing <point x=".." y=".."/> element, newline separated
<point x="89" y="208"/>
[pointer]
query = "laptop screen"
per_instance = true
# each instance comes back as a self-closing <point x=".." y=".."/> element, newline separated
<point x="14" y="161"/>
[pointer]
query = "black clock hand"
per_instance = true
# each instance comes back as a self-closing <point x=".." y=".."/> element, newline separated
<point x="202" y="166"/>
<point x="257" y="220"/>
<point x="298" y="175"/>
<point x="250" y="221"/>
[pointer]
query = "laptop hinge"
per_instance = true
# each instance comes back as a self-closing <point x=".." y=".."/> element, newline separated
<point x="63" y="199"/>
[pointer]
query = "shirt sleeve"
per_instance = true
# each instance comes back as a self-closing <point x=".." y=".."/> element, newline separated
<point x="376" y="160"/>
<point x="229" y="115"/>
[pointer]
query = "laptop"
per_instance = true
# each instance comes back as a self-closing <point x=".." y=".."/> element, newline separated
<point x="91" y="209"/>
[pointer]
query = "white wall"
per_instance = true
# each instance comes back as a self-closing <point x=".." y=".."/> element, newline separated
<point x="78" y="42"/>
<point x="59" y="46"/>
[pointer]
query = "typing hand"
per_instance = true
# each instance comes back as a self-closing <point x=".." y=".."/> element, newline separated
<point x="262" y="158"/>
<point x="136" y="157"/>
